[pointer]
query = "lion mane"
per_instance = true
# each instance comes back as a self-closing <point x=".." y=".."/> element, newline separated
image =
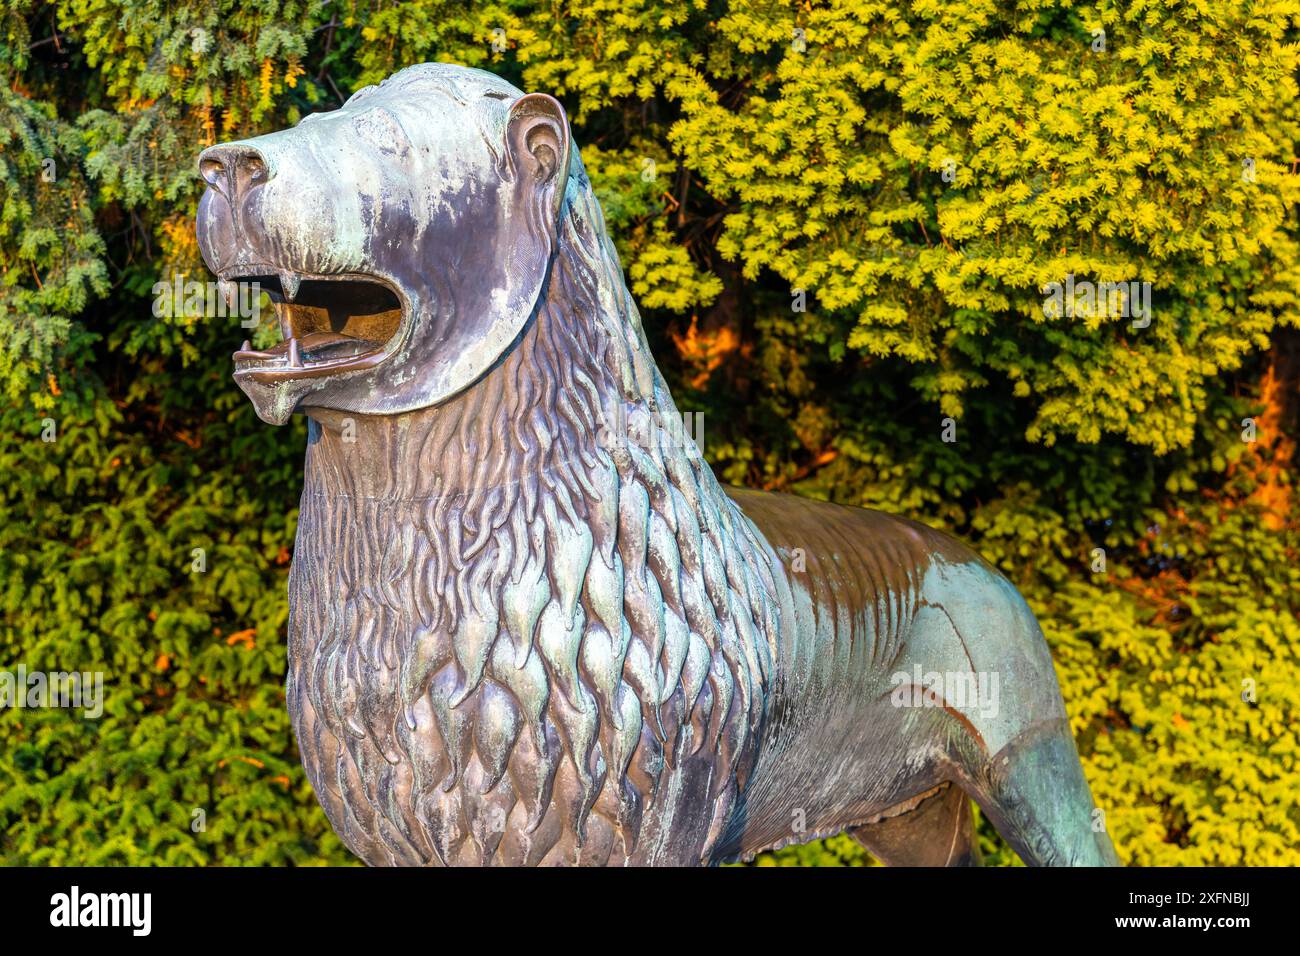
<point x="527" y="625"/>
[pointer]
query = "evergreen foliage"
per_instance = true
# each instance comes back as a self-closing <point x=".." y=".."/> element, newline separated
<point x="912" y="173"/>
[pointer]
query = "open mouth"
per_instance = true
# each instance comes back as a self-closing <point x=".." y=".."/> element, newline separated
<point x="328" y="324"/>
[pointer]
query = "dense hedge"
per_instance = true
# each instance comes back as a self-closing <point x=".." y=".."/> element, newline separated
<point x="838" y="218"/>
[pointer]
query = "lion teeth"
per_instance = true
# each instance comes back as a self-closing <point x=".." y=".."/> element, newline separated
<point x="289" y="283"/>
<point x="226" y="287"/>
<point x="295" y="357"/>
<point x="247" y="346"/>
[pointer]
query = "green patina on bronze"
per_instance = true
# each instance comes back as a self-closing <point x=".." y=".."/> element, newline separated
<point x="527" y="625"/>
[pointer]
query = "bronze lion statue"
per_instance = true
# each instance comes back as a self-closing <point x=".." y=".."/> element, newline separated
<point x="527" y="625"/>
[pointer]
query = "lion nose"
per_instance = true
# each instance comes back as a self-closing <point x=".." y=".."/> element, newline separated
<point x="233" y="170"/>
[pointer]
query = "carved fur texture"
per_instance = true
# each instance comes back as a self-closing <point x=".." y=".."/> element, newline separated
<point x="527" y="625"/>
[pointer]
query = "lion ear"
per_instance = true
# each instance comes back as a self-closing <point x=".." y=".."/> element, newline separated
<point x="537" y="134"/>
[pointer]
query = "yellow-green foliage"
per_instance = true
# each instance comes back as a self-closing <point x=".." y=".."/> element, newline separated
<point x="913" y="172"/>
<point x="1191" y="726"/>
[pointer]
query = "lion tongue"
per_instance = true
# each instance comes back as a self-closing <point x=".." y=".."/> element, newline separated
<point x="319" y="346"/>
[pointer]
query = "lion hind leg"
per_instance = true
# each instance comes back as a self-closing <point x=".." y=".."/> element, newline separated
<point x="935" y="829"/>
<point x="1035" y="794"/>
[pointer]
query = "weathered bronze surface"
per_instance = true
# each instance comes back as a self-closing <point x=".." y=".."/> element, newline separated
<point x="527" y="625"/>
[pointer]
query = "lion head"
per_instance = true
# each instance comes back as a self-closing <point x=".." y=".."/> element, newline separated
<point x="404" y="238"/>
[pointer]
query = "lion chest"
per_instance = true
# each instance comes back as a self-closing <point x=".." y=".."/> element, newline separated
<point x="425" y="747"/>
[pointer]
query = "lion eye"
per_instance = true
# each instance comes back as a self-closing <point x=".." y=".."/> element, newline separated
<point x="380" y="129"/>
